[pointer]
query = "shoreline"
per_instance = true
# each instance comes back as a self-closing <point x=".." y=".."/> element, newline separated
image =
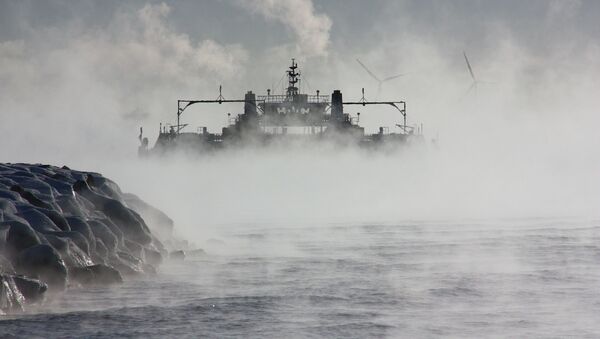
<point x="62" y="228"/>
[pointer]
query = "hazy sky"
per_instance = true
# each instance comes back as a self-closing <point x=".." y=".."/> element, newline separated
<point x="92" y="66"/>
<point x="78" y="79"/>
<point x="355" y="24"/>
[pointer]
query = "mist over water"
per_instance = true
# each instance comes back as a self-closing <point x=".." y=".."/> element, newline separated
<point x="489" y="228"/>
<point x="332" y="185"/>
<point x="534" y="277"/>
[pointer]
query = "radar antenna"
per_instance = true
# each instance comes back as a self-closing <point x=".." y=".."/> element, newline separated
<point x="293" y="79"/>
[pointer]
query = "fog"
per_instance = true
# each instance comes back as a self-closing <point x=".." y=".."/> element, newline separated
<point x="76" y="85"/>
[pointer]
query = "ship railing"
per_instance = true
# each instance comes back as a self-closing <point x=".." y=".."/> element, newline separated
<point x="312" y="99"/>
<point x="318" y="99"/>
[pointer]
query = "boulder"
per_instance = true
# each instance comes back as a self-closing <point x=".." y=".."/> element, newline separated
<point x="152" y="257"/>
<point x="57" y="219"/>
<point x="128" y="267"/>
<point x="159" y="246"/>
<point x="105" y="186"/>
<point x="133" y="261"/>
<point x="6" y="266"/>
<point x="14" y="217"/>
<point x="30" y="197"/>
<point x="59" y="225"/>
<point x="7" y="206"/>
<point x="63" y="187"/>
<point x="158" y="222"/>
<point x="132" y="225"/>
<point x="101" y="253"/>
<point x="103" y="232"/>
<point x="78" y="224"/>
<point x="116" y="230"/>
<point x="38" y="220"/>
<point x="98" y="274"/>
<point x="79" y="239"/>
<point x="10" y="195"/>
<point x="11" y="299"/>
<point x="19" y="237"/>
<point x="134" y="248"/>
<point x="33" y="290"/>
<point x="44" y="262"/>
<point x="37" y="186"/>
<point x="71" y="254"/>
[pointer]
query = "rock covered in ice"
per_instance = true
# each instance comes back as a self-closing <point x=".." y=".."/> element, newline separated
<point x="11" y="298"/>
<point x="160" y="224"/>
<point x="43" y="261"/>
<point x="61" y="227"/>
<point x="97" y="274"/>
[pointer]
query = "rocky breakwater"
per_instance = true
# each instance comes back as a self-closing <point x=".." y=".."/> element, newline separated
<point x="61" y="228"/>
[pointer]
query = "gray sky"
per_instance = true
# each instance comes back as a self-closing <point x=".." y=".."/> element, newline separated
<point x="82" y="65"/>
<point x="536" y="23"/>
<point x="78" y="79"/>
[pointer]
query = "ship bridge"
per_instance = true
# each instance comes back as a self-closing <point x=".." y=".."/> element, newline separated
<point x="293" y="108"/>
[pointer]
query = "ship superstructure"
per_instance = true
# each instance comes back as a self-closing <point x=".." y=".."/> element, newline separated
<point x="281" y="118"/>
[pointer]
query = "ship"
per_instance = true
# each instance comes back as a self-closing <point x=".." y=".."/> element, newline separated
<point x="290" y="118"/>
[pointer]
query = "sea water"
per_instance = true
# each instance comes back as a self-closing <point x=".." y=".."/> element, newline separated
<point x="501" y="278"/>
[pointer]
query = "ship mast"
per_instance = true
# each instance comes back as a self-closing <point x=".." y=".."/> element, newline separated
<point x="293" y="79"/>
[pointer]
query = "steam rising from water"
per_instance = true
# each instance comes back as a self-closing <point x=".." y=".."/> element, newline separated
<point x="327" y="241"/>
<point x="346" y="186"/>
<point x="417" y="279"/>
<point x="524" y="145"/>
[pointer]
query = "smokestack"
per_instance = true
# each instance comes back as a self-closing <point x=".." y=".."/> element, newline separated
<point x="250" y="104"/>
<point x="337" y="109"/>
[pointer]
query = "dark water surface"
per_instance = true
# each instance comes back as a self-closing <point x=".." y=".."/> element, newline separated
<point x="514" y="278"/>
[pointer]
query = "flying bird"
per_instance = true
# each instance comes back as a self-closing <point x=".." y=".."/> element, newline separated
<point x="379" y="81"/>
